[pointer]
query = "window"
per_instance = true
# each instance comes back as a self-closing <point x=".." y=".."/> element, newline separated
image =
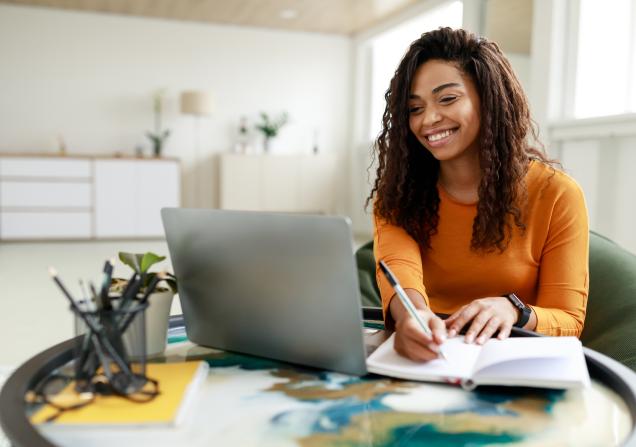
<point x="606" y="58"/>
<point x="388" y="48"/>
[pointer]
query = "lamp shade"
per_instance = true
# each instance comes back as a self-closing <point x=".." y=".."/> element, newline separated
<point x="196" y="102"/>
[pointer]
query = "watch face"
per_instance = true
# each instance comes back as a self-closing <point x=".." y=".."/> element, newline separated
<point x="516" y="301"/>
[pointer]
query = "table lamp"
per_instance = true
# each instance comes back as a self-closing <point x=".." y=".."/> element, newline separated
<point x="200" y="104"/>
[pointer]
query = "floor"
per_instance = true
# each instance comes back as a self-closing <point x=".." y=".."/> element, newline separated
<point x="34" y="314"/>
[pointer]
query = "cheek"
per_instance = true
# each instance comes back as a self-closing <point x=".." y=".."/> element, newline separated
<point x="471" y="118"/>
<point x="413" y="125"/>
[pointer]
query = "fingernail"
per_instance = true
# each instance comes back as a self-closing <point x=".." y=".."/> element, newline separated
<point x="452" y="333"/>
<point x="481" y="340"/>
<point x="443" y="337"/>
<point x="469" y="339"/>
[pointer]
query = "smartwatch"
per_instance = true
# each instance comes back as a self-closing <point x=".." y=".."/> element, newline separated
<point x="524" y="311"/>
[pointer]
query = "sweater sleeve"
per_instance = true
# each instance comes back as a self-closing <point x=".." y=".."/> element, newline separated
<point x="563" y="272"/>
<point x="401" y="253"/>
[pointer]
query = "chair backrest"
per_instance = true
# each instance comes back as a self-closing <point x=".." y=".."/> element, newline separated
<point x="369" y="290"/>
<point x="610" y="323"/>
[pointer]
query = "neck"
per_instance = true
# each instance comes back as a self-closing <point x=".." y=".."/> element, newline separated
<point x="461" y="178"/>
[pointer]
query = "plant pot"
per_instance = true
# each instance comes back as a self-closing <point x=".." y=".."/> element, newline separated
<point x="157" y="316"/>
<point x="155" y="322"/>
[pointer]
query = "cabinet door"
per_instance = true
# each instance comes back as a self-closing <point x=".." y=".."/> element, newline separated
<point x="158" y="186"/>
<point x="279" y="187"/>
<point x="45" y="167"/>
<point x="42" y="194"/>
<point x="319" y="183"/>
<point x="115" y="198"/>
<point x="44" y="225"/>
<point x="240" y="182"/>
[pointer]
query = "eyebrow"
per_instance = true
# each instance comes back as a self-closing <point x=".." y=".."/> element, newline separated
<point x="439" y="88"/>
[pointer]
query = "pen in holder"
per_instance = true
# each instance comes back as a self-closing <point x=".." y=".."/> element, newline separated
<point x="110" y="352"/>
<point x="114" y="350"/>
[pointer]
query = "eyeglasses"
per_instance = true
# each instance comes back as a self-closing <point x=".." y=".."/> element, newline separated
<point x="62" y="393"/>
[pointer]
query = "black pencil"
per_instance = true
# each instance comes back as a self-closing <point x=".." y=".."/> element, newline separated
<point x="108" y="272"/>
<point x="64" y="290"/>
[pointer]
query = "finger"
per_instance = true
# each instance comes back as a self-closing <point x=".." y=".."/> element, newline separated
<point x="438" y="328"/>
<point x="413" y="348"/>
<point x="504" y="331"/>
<point x="416" y="353"/>
<point x="413" y="331"/>
<point x="418" y="339"/>
<point x="489" y="329"/>
<point x="466" y="315"/>
<point x="477" y="325"/>
<point x="451" y="318"/>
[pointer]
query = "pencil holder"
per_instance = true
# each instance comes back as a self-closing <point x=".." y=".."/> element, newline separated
<point x="111" y="346"/>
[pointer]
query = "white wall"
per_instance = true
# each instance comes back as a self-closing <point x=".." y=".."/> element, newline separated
<point x="91" y="77"/>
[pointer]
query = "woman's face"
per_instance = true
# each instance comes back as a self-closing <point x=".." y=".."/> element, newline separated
<point x="444" y="111"/>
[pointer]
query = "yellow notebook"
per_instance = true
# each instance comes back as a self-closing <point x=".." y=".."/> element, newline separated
<point x="178" y="384"/>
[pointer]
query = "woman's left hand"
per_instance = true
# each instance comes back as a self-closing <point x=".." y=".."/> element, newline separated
<point x="488" y="315"/>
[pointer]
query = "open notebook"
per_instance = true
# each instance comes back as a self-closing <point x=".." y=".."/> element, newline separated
<point x="543" y="362"/>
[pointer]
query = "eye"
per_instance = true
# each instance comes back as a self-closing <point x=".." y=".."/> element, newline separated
<point x="447" y="99"/>
<point x="415" y="109"/>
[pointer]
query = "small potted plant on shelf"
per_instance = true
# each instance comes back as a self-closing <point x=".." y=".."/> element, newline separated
<point x="270" y="127"/>
<point x="158" y="137"/>
<point x="159" y="301"/>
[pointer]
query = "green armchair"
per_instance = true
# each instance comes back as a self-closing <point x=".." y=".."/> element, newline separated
<point x="610" y="323"/>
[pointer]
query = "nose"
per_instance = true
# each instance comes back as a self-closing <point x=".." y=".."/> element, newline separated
<point x="430" y="116"/>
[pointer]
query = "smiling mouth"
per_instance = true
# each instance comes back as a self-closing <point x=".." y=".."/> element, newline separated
<point x="440" y="135"/>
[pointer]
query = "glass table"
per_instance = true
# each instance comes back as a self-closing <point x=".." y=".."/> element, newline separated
<point x="249" y="400"/>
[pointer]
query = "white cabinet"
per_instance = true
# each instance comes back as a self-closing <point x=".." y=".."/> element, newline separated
<point x="129" y="195"/>
<point x="45" y="198"/>
<point x="288" y="183"/>
<point x="70" y="197"/>
<point x="158" y="186"/>
<point x="115" y="198"/>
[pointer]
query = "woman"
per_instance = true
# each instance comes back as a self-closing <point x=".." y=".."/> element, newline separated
<point x="472" y="220"/>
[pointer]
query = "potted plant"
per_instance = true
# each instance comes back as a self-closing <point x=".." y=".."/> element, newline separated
<point x="158" y="137"/>
<point x="270" y="127"/>
<point x="159" y="301"/>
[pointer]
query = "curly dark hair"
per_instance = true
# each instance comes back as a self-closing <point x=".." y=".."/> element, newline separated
<point x="405" y="190"/>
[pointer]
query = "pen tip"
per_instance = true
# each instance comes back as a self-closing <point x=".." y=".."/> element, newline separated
<point x="52" y="271"/>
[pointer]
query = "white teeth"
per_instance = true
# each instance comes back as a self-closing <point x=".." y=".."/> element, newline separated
<point x="439" y="136"/>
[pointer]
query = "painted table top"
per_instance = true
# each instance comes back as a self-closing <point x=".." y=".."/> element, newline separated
<point x="251" y="401"/>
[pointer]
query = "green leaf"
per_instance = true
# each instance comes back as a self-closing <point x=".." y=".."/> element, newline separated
<point x="132" y="260"/>
<point x="148" y="260"/>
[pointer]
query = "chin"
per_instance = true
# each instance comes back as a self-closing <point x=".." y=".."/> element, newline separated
<point x="442" y="154"/>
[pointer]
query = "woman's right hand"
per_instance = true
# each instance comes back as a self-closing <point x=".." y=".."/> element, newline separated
<point x="410" y="340"/>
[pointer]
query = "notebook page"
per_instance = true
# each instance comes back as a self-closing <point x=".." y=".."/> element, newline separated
<point x="517" y="348"/>
<point x="555" y="372"/>
<point x="461" y="358"/>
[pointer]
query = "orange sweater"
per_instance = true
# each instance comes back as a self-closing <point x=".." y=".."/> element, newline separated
<point x="547" y="266"/>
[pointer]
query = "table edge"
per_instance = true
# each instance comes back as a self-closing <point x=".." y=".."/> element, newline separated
<point x="21" y="433"/>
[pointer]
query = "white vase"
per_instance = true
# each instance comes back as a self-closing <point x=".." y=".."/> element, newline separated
<point x="157" y="316"/>
<point x="156" y="324"/>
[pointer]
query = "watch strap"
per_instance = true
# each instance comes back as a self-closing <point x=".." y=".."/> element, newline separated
<point x="524" y="311"/>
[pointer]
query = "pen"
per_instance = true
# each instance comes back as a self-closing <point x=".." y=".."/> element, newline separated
<point x="127" y="319"/>
<point x="406" y="301"/>
<point x="108" y="272"/>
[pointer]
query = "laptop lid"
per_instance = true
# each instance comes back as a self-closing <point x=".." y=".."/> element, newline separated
<point x="275" y="285"/>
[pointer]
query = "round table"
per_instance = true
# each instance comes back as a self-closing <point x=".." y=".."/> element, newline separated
<point x="248" y="400"/>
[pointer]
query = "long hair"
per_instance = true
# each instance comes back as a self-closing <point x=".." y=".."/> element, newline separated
<point x="405" y="188"/>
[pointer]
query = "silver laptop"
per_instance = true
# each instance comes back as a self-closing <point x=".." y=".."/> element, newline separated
<point x="274" y="285"/>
